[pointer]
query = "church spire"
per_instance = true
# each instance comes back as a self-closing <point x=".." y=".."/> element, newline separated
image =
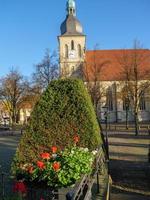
<point x="71" y="7"/>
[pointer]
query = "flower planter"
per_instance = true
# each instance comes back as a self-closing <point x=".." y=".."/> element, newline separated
<point x="42" y="192"/>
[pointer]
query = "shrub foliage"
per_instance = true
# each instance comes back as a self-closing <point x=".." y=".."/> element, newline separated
<point x="64" y="110"/>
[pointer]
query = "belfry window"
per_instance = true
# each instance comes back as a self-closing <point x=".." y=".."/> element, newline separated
<point x="79" y="51"/>
<point x="66" y="51"/>
<point x="72" y="45"/>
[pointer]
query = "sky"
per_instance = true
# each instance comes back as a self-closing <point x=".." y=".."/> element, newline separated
<point x="28" y="27"/>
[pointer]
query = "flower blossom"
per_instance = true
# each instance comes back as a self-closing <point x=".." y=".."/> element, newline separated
<point x="94" y="152"/>
<point x="40" y="164"/>
<point x="20" y="187"/>
<point x="31" y="169"/>
<point x="45" y="156"/>
<point x="54" y="149"/>
<point x="76" y="139"/>
<point x="56" y="166"/>
<point x="24" y="167"/>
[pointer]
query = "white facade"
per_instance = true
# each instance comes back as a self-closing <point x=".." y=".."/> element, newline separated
<point x="117" y="112"/>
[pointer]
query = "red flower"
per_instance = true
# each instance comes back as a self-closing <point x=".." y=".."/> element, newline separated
<point x="40" y="164"/>
<point x="31" y="169"/>
<point x="45" y="155"/>
<point x="56" y="166"/>
<point x="54" y="149"/>
<point x="20" y="187"/>
<point x="76" y="139"/>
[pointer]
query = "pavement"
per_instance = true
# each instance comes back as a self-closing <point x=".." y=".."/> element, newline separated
<point x="8" y="145"/>
<point x="129" y="166"/>
<point x="129" y="196"/>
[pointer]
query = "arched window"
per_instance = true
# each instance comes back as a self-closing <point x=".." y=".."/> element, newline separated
<point x="79" y="51"/>
<point x="66" y="51"/>
<point x="72" y="45"/>
<point x="142" y="105"/>
<point x="109" y="99"/>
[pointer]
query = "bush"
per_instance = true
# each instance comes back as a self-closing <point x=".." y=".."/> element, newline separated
<point x="63" y="111"/>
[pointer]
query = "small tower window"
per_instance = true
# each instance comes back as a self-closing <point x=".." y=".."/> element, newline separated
<point x="66" y="51"/>
<point x="79" y="51"/>
<point x="72" y="45"/>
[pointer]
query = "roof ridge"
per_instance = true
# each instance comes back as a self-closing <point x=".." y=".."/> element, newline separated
<point x="116" y="50"/>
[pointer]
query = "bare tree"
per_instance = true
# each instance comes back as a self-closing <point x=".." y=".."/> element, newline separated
<point x="136" y="77"/>
<point x="13" y="88"/>
<point x="92" y="72"/>
<point x="47" y="70"/>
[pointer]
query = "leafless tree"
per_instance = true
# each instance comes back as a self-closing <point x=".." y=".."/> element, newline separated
<point x="13" y="87"/>
<point x="92" y="73"/>
<point x="136" y="77"/>
<point x="46" y="71"/>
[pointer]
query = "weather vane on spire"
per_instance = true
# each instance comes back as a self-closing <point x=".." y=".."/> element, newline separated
<point x="71" y="7"/>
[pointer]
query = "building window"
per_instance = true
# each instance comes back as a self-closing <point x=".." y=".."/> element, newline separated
<point x="72" y="45"/>
<point x="109" y="99"/>
<point x="79" y="51"/>
<point x="142" y="104"/>
<point x="126" y="103"/>
<point x="66" y="51"/>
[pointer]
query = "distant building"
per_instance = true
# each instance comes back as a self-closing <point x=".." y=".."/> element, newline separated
<point x="4" y="115"/>
<point x="22" y="117"/>
<point x="73" y="55"/>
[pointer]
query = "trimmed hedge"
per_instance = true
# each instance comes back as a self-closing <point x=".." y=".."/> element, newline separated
<point x="64" y="110"/>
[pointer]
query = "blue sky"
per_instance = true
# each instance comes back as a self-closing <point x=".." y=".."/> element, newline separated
<point x="28" y="27"/>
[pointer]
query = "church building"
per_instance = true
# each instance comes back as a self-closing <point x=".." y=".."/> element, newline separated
<point x="122" y="76"/>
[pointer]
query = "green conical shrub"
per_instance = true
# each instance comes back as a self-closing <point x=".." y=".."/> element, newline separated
<point x="64" y="110"/>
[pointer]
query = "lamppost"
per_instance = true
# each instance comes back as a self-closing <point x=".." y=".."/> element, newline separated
<point x="105" y="108"/>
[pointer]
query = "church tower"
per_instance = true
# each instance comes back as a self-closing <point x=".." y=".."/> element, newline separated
<point x="71" y="43"/>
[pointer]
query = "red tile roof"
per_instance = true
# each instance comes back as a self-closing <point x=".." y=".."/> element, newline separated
<point x="109" y="63"/>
